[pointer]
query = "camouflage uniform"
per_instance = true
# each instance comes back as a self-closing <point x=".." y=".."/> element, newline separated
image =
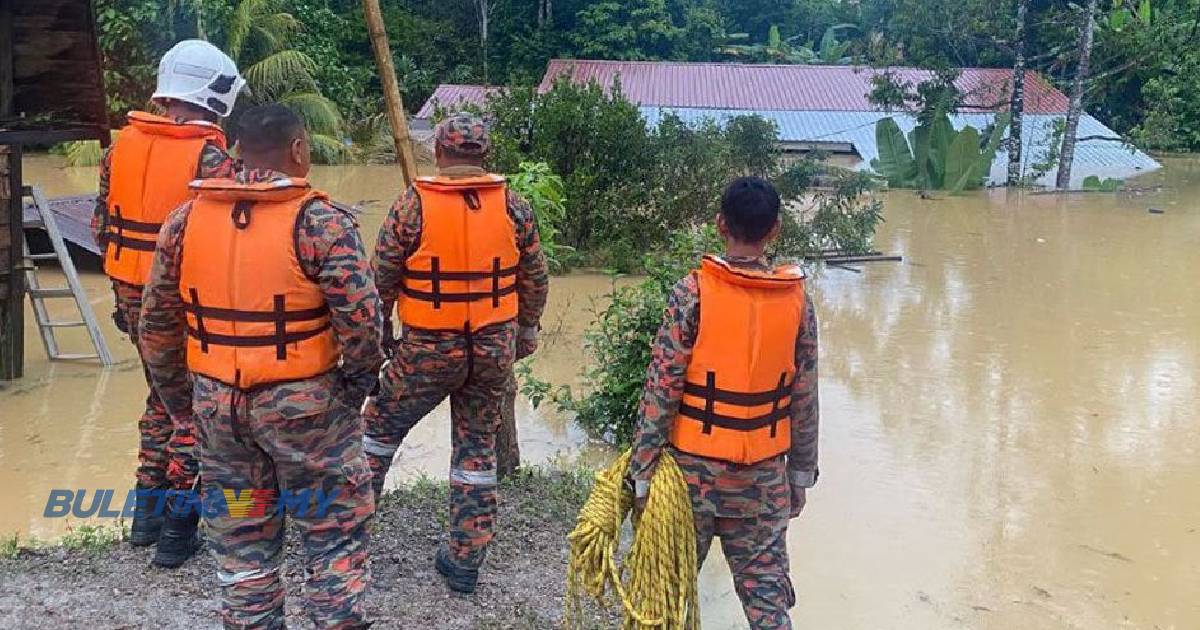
<point x="747" y="506"/>
<point x="297" y="435"/>
<point x="165" y="458"/>
<point x="472" y="369"/>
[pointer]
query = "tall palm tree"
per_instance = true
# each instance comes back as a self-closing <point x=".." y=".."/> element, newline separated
<point x="257" y="36"/>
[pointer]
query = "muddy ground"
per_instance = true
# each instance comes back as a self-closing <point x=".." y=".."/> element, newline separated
<point x="98" y="586"/>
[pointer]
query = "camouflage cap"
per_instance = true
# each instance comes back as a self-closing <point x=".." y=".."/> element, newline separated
<point x="464" y="133"/>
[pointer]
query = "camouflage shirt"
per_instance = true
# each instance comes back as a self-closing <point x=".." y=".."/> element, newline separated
<point x="329" y="249"/>
<point x="400" y="235"/>
<point x="214" y="163"/>
<point x="721" y="488"/>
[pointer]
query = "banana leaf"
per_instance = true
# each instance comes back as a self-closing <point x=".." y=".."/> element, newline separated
<point x="919" y="140"/>
<point x="940" y="138"/>
<point x="895" y="161"/>
<point x="962" y="162"/>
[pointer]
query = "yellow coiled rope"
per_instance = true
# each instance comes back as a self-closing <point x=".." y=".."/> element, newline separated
<point x="656" y="582"/>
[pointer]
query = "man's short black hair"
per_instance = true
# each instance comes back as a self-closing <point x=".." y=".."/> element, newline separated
<point x="268" y="128"/>
<point x="750" y="206"/>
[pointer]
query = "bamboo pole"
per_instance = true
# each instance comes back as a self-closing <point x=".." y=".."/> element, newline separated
<point x="391" y="90"/>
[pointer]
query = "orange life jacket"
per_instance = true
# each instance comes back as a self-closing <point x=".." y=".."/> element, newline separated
<point x="463" y="275"/>
<point x="153" y="160"/>
<point x="253" y="316"/>
<point x="736" y="404"/>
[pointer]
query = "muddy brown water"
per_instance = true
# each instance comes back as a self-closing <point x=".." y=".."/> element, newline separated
<point x="1009" y="416"/>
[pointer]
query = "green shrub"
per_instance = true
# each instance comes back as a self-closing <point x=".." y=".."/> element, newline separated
<point x="534" y="182"/>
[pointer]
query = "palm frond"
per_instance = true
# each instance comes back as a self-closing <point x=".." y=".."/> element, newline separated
<point x="281" y="25"/>
<point x="245" y="16"/>
<point x="83" y="153"/>
<point x="283" y="72"/>
<point x="327" y="149"/>
<point x="320" y="114"/>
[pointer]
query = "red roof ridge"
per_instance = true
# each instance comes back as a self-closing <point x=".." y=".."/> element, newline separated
<point x="787" y="66"/>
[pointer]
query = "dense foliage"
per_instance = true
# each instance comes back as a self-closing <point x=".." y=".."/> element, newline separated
<point x="630" y="185"/>
<point x="1146" y="56"/>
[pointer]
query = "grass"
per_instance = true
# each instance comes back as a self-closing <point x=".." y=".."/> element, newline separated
<point x="541" y="494"/>
<point x="93" y="538"/>
<point x="87" y="538"/>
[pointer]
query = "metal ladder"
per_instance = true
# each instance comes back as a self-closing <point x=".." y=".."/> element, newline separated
<point x="74" y="290"/>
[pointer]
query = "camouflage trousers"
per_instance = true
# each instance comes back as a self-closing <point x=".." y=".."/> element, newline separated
<point x="756" y="550"/>
<point x="166" y="452"/>
<point x="286" y="438"/>
<point x="473" y="371"/>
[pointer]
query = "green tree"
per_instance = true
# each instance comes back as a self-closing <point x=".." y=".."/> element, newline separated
<point x="635" y="30"/>
<point x="258" y="36"/>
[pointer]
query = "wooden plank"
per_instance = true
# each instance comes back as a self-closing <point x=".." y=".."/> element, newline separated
<point x="12" y="307"/>
<point x="7" y="96"/>
<point x="51" y="136"/>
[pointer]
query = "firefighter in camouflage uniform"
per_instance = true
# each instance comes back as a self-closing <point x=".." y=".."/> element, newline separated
<point x="261" y="289"/>
<point x="459" y="256"/>
<point x="143" y="177"/>
<point x="731" y="392"/>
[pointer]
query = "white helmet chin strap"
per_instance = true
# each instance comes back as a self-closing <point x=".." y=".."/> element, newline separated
<point x="194" y="71"/>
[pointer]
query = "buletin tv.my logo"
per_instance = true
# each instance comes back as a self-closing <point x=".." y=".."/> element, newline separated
<point x="245" y="503"/>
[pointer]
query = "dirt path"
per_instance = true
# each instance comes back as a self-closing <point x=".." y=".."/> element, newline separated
<point x="522" y="585"/>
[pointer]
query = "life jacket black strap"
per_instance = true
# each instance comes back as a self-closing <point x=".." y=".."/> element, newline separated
<point x="246" y="341"/>
<point x="411" y="274"/>
<point x="436" y="276"/>
<point x="779" y="398"/>
<point x="742" y="398"/>
<point x="235" y="315"/>
<point x="713" y="419"/>
<point x="459" y="297"/>
<point x="125" y="242"/>
<point x="279" y="315"/>
<point x="117" y="223"/>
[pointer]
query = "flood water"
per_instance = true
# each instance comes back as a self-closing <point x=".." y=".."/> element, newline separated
<point x="1009" y="416"/>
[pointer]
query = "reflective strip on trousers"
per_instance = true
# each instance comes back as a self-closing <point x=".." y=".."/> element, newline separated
<point x="473" y="477"/>
<point x="226" y="578"/>
<point x="374" y="447"/>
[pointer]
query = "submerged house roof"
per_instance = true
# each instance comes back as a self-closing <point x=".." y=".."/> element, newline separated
<point x="451" y="96"/>
<point x="789" y="87"/>
<point x="828" y="106"/>
<point x="51" y="82"/>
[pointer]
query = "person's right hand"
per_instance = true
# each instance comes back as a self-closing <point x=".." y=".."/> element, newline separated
<point x="527" y="341"/>
<point x="799" y="500"/>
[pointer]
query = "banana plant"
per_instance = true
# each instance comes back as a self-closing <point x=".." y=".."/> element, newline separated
<point x="934" y="156"/>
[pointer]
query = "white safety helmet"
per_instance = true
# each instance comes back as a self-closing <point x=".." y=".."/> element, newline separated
<point x="194" y="71"/>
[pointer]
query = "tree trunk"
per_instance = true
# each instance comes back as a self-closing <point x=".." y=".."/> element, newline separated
<point x="508" y="449"/>
<point x="484" y="18"/>
<point x="1067" y="155"/>
<point x="1017" y="106"/>
<point x="545" y="16"/>
<point x="391" y="90"/>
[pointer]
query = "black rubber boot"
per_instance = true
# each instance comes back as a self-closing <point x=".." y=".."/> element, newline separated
<point x="178" y="540"/>
<point x="459" y="579"/>
<point x="147" y="525"/>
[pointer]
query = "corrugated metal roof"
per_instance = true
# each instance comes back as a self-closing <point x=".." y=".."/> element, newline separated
<point x="778" y="87"/>
<point x="451" y="95"/>
<point x="1102" y="158"/>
